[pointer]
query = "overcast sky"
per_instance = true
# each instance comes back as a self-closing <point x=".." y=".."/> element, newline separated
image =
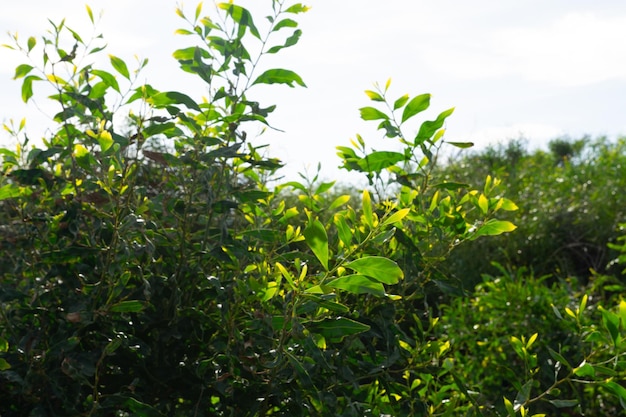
<point x="528" y="68"/>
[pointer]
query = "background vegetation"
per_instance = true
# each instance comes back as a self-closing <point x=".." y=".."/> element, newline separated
<point x="149" y="269"/>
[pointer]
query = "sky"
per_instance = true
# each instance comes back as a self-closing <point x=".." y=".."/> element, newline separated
<point x="527" y="69"/>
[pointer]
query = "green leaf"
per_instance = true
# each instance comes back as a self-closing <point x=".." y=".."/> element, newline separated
<point x="279" y="76"/>
<point x="377" y="161"/>
<point x="242" y="17"/>
<point x="396" y="217"/>
<point x="400" y="102"/>
<point x="462" y="145"/>
<point x="563" y="403"/>
<point x="611" y="322"/>
<point x="131" y="306"/>
<point x="483" y="204"/>
<point x="339" y="201"/>
<point x="171" y="98"/>
<point x="317" y="239"/>
<point x="617" y="390"/>
<point x="374" y="96"/>
<point x="416" y="105"/>
<point x="10" y="191"/>
<point x="22" y="70"/>
<point x="523" y="395"/>
<point x="105" y="140"/>
<point x="325" y="186"/>
<point x="429" y="127"/>
<point x="585" y="369"/>
<point x="344" y="231"/>
<point x="31" y="43"/>
<point x="336" y="329"/>
<point x="285" y="23"/>
<point x="509" y="407"/>
<point x="4" y="365"/>
<point x="4" y="345"/>
<point x="371" y="113"/>
<point x="367" y="209"/>
<point x="297" y="8"/>
<point x="508" y="205"/>
<point x="290" y="41"/>
<point x="140" y="409"/>
<point x="107" y="78"/>
<point x="381" y="269"/>
<point x="494" y="227"/>
<point x="357" y="284"/>
<point x="27" y="87"/>
<point x="558" y="357"/>
<point x="120" y="66"/>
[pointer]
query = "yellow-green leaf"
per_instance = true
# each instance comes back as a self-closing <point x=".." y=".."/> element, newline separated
<point x="367" y="209"/>
<point x="396" y="217"/>
<point x="494" y="227"/>
<point x="483" y="204"/>
<point x="317" y="239"/>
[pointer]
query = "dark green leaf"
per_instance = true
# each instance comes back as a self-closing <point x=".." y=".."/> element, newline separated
<point x="169" y="98"/>
<point x="290" y="41"/>
<point x="523" y="395"/>
<point x="131" y="306"/>
<point x="279" y="76"/>
<point x="337" y="329"/>
<point x="242" y="17"/>
<point x="558" y="357"/>
<point x="563" y="403"/>
<point x="617" y="390"/>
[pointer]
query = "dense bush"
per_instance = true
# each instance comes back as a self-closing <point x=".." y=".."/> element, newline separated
<point x="149" y="270"/>
<point x="483" y="328"/>
<point x="570" y="205"/>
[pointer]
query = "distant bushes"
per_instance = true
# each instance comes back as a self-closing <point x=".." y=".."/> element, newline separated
<point x="570" y="199"/>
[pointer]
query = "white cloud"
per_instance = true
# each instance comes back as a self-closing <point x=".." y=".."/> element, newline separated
<point x="571" y="49"/>
<point x="576" y="49"/>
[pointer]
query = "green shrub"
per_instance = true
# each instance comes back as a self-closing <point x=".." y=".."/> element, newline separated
<point x="518" y="334"/>
<point x="150" y="270"/>
<point x="570" y="205"/>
